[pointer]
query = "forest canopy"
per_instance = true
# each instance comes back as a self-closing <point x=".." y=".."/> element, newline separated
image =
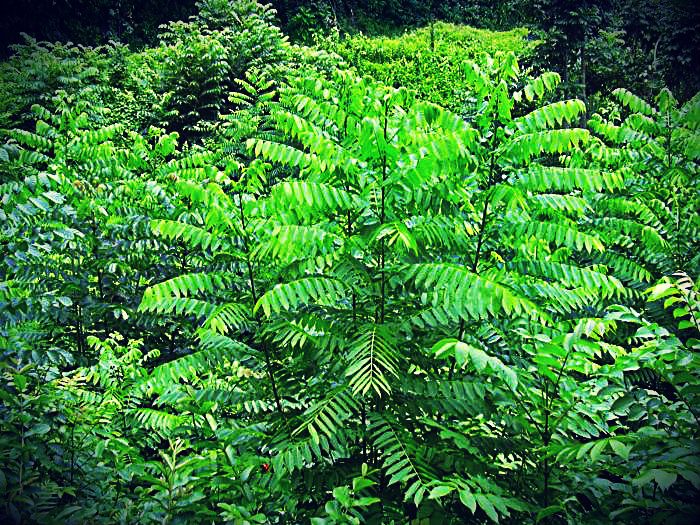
<point x="340" y="262"/>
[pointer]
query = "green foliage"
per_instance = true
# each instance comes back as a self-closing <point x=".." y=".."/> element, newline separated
<point x="289" y="293"/>
<point x="38" y="69"/>
<point x="429" y="60"/>
<point x="203" y="58"/>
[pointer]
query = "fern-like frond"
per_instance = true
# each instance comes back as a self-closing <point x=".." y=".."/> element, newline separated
<point x="289" y="296"/>
<point x="633" y="102"/>
<point x="183" y="286"/>
<point x="524" y="147"/>
<point x="227" y="317"/>
<point x="551" y="115"/>
<point x="465" y="354"/>
<point x="626" y="268"/>
<point x="179" y="306"/>
<point x="464" y="292"/>
<point x="158" y="420"/>
<point x="648" y="235"/>
<point x="292" y="241"/>
<point x="546" y="178"/>
<point x="372" y="357"/>
<point x="462" y="397"/>
<point x="400" y="459"/>
<point x="306" y="198"/>
<point x="328" y="414"/>
<point x="560" y="235"/>
<point x="307" y="328"/>
<point x="195" y="236"/>
<point x="297" y="455"/>
<point x="539" y="86"/>
<point x="573" y="276"/>
<point x="215" y="350"/>
<point x="563" y="203"/>
<point x="560" y="298"/>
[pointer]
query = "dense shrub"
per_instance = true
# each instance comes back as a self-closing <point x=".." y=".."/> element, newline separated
<point x="245" y="281"/>
<point x="429" y="60"/>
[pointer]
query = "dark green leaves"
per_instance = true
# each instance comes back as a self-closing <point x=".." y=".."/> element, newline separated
<point x="466" y="354"/>
<point x="468" y="294"/>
